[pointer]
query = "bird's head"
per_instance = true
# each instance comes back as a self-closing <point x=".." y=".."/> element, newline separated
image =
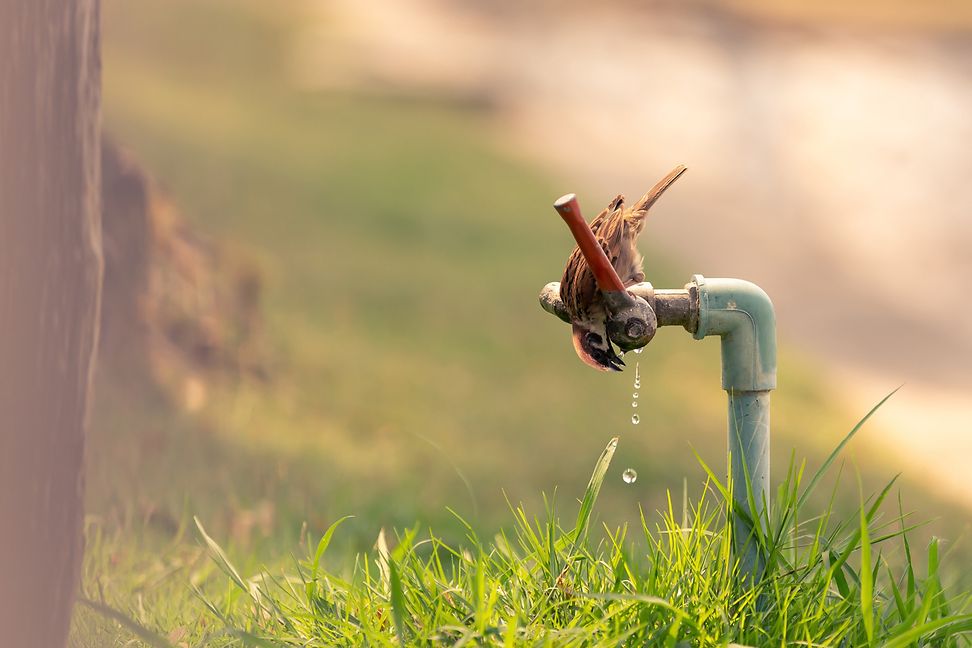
<point x="594" y="347"/>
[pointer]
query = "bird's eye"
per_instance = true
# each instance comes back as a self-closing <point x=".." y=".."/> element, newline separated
<point x="593" y="338"/>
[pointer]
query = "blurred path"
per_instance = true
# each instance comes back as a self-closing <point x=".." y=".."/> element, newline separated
<point x="831" y="166"/>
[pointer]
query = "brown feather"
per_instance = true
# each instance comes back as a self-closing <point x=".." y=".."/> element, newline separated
<point x="617" y="230"/>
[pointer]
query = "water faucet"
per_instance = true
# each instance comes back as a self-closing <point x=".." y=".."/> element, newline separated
<point x="741" y="315"/>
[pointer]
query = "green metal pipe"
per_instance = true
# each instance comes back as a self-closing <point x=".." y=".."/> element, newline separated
<point x="742" y="315"/>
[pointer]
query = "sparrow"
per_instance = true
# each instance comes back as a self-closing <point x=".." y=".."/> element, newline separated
<point x="616" y="230"/>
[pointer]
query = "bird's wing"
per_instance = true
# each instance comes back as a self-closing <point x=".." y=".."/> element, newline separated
<point x="578" y="287"/>
<point x="619" y="230"/>
<point x="625" y="256"/>
<point x="608" y="214"/>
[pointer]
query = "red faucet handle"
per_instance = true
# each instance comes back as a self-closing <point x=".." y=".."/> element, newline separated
<point x="605" y="274"/>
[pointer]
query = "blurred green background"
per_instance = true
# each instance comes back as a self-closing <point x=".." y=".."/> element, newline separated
<point x="398" y="243"/>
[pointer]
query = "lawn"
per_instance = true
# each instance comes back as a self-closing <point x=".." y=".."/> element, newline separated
<point x="401" y="248"/>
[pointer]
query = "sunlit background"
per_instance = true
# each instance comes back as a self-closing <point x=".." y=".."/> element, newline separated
<point x="327" y="224"/>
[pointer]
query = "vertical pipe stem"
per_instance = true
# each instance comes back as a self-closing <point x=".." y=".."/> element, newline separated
<point x="741" y="314"/>
<point x="749" y="446"/>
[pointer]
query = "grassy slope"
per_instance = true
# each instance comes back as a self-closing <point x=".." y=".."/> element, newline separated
<point x="403" y="253"/>
<point x="544" y="584"/>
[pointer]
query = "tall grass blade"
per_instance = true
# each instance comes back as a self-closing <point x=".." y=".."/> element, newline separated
<point x="220" y="557"/>
<point x="817" y="476"/>
<point x="384" y="570"/>
<point x="321" y="548"/>
<point x="910" y="586"/>
<point x="867" y="583"/>
<point x="397" y="601"/>
<point x="932" y="588"/>
<point x="593" y="488"/>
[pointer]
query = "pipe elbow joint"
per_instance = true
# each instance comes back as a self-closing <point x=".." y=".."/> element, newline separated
<point x="741" y="314"/>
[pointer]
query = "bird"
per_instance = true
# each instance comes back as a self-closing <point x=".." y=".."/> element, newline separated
<point x="616" y="230"/>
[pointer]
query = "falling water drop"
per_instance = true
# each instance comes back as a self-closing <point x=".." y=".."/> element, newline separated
<point x="630" y="475"/>
<point x="634" y="403"/>
<point x="635" y="419"/>
<point x="634" y="395"/>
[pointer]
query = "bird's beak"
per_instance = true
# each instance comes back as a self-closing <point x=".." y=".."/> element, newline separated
<point x="594" y="348"/>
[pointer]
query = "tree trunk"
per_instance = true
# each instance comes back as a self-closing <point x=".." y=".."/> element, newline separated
<point x="50" y="284"/>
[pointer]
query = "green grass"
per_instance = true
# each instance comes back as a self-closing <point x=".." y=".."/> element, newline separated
<point x="676" y="582"/>
<point x="412" y="371"/>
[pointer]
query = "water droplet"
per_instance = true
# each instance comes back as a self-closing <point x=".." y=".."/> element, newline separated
<point x="634" y="403"/>
<point x="637" y="384"/>
<point x="634" y="395"/>
<point x="630" y="475"/>
<point x="635" y="419"/>
<point x="638" y="350"/>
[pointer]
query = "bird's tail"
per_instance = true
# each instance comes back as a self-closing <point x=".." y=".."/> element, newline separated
<point x="646" y="201"/>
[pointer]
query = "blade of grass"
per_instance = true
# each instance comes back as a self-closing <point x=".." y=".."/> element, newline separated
<point x="220" y="557"/>
<point x="321" y="548"/>
<point x="593" y="488"/>
<point x="817" y="476"/>
<point x="397" y="601"/>
<point x="867" y="584"/>
<point x="381" y="546"/>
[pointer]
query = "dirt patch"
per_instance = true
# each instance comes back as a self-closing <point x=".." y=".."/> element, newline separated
<point x="176" y="304"/>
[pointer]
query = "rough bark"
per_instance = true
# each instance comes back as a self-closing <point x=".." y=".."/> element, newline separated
<point x="50" y="278"/>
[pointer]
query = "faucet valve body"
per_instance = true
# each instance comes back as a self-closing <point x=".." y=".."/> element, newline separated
<point x="631" y="320"/>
